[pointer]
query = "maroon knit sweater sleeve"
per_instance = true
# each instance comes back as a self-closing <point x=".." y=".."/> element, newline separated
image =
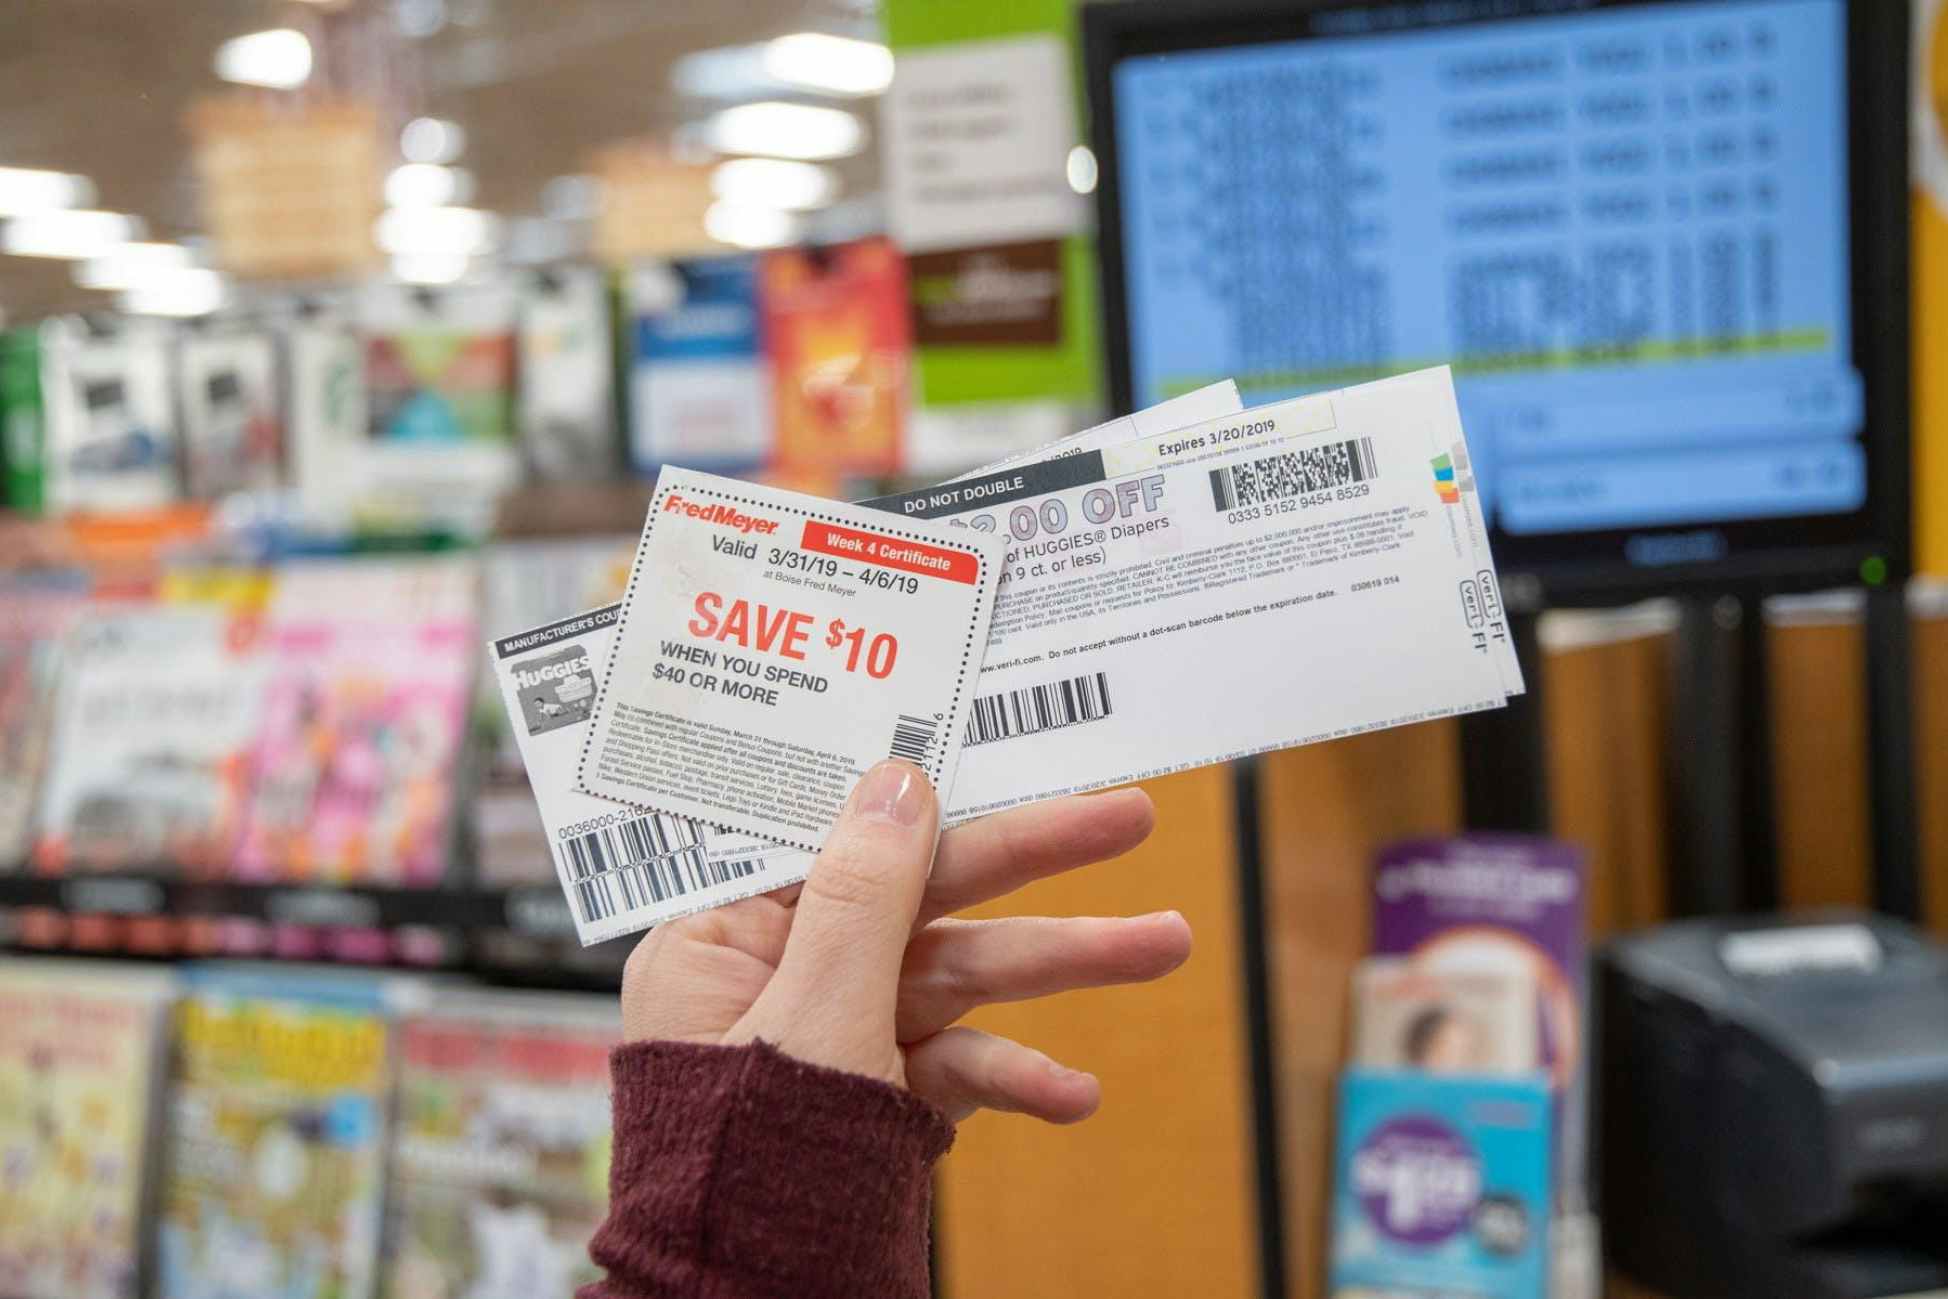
<point x="741" y="1173"/>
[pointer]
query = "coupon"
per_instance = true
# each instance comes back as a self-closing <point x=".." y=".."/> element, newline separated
<point x="1303" y="571"/>
<point x="1193" y="407"/>
<point x="622" y="868"/>
<point x="771" y="647"/>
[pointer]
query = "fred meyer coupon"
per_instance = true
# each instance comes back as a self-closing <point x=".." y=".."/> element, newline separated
<point x="773" y="646"/>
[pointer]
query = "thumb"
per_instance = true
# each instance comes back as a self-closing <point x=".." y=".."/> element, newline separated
<point x="837" y="985"/>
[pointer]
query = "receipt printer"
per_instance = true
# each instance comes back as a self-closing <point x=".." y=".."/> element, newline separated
<point x="1772" y="1109"/>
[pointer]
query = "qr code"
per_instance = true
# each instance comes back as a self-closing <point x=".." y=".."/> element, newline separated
<point x="1294" y="473"/>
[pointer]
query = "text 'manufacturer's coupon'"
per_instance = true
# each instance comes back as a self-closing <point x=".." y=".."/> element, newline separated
<point x="773" y="646"/>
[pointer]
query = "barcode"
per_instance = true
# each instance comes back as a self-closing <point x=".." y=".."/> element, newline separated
<point x="628" y="887"/>
<point x="1294" y="473"/>
<point x="1039" y="708"/>
<point x="629" y="843"/>
<point x="912" y="738"/>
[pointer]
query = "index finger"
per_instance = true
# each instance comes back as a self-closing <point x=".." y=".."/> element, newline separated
<point x="998" y="854"/>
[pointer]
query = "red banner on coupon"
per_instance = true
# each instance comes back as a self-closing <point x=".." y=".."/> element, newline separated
<point x="892" y="552"/>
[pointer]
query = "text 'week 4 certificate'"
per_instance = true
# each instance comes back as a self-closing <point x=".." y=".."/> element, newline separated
<point x="1303" y="571"/>
<point x="772" y="646"/>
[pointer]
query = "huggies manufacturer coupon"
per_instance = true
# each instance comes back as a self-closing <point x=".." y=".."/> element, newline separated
<point x="773" y="646"/>
<point x="622" y="868"/>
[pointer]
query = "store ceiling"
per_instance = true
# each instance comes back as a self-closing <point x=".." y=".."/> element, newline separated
<point x="100" y="87"/>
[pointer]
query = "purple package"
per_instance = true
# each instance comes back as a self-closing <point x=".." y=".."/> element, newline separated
<point x="1501" y="902"/>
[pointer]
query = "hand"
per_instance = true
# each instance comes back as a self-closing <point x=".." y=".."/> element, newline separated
<point x="859" y="970"/>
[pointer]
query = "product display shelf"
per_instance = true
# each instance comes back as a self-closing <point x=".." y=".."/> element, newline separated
<point x="534" y="917"/>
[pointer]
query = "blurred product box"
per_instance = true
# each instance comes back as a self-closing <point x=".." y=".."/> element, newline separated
<point x="1510" y="904"/>
<point x="566" y="411"/>
<point x="1441" y="1186"/>
<point x="22" y="419"/>
<point x="111" y="441"/>
<point x="699" y="382"/>
<point x="233" y="410"/>
<point x="837" y="332"/>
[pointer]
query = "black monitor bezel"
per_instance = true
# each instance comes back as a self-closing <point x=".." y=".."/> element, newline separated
<point x="1763" y="555"/>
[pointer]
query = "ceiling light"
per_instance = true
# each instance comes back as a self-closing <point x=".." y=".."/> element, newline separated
<point x="279" y="58"/>
<point x="423" y="184"/>
<point x="774" y="182"/>
<point x="131" y="265"/>
<point x="432" y="139"/>
<point x="429" y="268"/>
<point x="575" y="197"/>
<point x="785" y="130"/>
<point x="729" y="72"/>
<point x="835" y="65"/>
<point x="533" y="241"/>
<point x="23" y="191"/>
<point x="1082" y="169"/>
<point x="187" y="291"/>
<point x="76" y="233"/>
<point x="407" y="231"/>
<point x="744" y="226"/>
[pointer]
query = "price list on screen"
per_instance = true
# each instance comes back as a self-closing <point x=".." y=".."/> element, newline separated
<point x="1626" y="227"/>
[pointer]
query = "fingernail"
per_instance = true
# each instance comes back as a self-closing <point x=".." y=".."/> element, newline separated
<point x="1162" y="915"/>
<point x="1062" y="1072"/>
<point x="891" y="791"/>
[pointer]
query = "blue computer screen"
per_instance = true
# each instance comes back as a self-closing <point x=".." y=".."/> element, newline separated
<point x="1626" y="228"/>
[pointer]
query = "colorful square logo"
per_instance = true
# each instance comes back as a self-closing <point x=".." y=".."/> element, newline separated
<point x="1444" y="484"/>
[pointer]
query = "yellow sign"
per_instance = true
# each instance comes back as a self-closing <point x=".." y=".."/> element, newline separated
<point x="289" y="191"/>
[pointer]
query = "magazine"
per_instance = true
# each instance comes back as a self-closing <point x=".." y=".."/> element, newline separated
<point x="81" y="1051"/>
<point x="274" y="1162"/>
<point x="501" y="1153"/>
<point x="354" y="772"/>
<point x="38" y="614"/>
<point x="157" y="708"/>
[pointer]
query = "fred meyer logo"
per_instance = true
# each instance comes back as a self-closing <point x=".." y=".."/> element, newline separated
<point x="724" y="516"/>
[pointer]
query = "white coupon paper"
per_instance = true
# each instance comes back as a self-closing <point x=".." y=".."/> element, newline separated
<point x="1304" y="571"/>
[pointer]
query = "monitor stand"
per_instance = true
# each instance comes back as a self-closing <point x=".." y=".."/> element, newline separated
<point x="1723" y="851"/>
